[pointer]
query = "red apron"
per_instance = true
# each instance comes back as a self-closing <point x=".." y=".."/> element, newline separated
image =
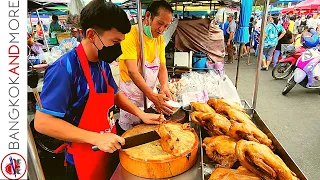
<point x="91" y="165"/>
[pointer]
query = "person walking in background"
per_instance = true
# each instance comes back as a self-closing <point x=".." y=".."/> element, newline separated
<point x="284" y="38"/>
<point x="246" y="47"/>
<point x="314" y="22"/>
<point x="296" y="25"/>
<point x="291" y="24"/>
<point x="231" y="29"/>
<point x="271" y="41"/>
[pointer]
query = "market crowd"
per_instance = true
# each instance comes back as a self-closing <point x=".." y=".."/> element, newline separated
<point x="280" y="30"/>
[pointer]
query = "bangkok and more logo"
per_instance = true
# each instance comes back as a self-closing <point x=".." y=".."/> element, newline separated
<point x="13" y="166"/>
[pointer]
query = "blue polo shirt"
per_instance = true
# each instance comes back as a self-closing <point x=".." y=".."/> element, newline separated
<point x="65" y="88"/>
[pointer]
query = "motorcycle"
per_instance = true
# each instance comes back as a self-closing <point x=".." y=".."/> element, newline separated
<point x="307" y="71"/>
<point x="286" y="66"/>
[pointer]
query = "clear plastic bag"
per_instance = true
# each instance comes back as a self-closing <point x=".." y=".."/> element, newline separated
<point x="204" y="85"/>
<point x="68" y="44"/>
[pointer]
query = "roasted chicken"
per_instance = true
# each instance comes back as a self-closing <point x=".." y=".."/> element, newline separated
<point x="238" y="116"/>
<point x="248" y="132"/>
<point x="221" y="149"/>
<point x="196" y="117"/>
<point x="259" y="159"/>
<point x="169" y="142"/>
<point x="233" y="174"/>
<point x="202" y="107"/>
<point x="220" y="105"/>
<point x="214" y="123"/>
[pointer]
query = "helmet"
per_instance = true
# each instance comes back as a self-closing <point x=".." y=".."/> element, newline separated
<point x="310" y="39"/>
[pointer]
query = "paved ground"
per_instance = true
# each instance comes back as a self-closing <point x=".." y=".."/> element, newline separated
<point x="294" y="119"/>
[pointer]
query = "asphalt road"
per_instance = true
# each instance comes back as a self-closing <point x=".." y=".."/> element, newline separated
<point x="294" y="119"/>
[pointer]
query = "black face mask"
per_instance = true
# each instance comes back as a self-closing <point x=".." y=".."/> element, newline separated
<point x="110" y="53"/>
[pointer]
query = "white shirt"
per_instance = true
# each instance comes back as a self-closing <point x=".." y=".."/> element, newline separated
<point x="313" y="23"/>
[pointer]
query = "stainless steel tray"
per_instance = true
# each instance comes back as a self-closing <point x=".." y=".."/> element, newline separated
<point x="208" y="165"/>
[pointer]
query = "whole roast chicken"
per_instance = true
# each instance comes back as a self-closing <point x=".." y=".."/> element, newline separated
<point x="221" y="149"/>
<point x="249" y="132"/>
<point x="220" y="105"/>
<point x="213" y="123"/>
<point x="233" y="174"/>
<point x="259" y="159"/>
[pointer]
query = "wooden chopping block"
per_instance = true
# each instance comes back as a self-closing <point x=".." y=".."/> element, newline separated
<point x="150" y="161"/>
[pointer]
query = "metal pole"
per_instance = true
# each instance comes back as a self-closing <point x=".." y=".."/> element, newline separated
<point x="252" y="30"/>
<point x="260" y="53"/>
<point x="140" y="25"/>
<point x="44" y="37"/>
<point x="238" y="64"/>
<point x="35" y="171"/>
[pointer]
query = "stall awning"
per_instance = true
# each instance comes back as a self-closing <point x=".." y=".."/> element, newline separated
<point x="308" y="5"/>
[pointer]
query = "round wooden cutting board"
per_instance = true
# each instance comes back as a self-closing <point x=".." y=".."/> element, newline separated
<point x="150" y="161"/>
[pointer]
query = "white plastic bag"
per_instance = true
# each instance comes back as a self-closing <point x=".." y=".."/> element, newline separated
<point x="75" y="7"/>
<point x="227" y="90"/>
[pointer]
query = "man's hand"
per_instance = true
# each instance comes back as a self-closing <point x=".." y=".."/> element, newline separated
<point x="150" y="118"/>
<point x="159" y="101"/>
<point x="228" y="43"/>
<point x="108" y="142"/>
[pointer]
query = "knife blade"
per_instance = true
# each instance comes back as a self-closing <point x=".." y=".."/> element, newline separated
<point x="137" y="140"/>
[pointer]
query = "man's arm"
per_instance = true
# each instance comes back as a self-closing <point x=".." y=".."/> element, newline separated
<point x="281" y="35"/>
<point x="60" y="129"/>
<point x="157" y="99"/>
<point x="163" y="79"/>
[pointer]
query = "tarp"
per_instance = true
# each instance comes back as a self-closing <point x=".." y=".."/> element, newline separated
<point x="287" y="1"/>
<point x="200" y="35"/>
<point x="308" y="5"/>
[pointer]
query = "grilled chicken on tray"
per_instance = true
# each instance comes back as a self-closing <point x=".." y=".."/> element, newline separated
<point x="248" y="132"/>
<point x="259" y="159"/>
<point x="214" y="123"/>
<point x="233" y="174"/>
<point x="220" y="105"/>
<point x="202" y="107"/>
<point x="221" y="149"/>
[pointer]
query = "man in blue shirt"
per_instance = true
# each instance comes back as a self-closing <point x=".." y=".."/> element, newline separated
<point x="79" y="93"/>
<point x="270" y="43"/>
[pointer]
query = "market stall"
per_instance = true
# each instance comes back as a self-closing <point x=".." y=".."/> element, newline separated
<point x="196" y="89"/>
<point x="192" y="161"/>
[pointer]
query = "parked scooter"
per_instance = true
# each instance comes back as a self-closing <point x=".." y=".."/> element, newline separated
<point x="286" y="65"/>
<point x="307" y="71"/>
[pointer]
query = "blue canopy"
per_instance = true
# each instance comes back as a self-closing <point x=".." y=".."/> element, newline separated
<point x="287" y="1"/>
<point x="242" y="33"/>
<point x="274" y="10"/>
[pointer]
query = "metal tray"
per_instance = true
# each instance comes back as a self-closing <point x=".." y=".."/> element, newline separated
<point x="208" y="165"/>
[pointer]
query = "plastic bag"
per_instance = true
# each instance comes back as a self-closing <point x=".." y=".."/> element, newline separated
<point x="75" y="6"/>
<point x="68" y="44"/>
<point x="227" y="90"/>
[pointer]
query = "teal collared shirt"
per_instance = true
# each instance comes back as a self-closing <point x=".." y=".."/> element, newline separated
<point x="54" y="27"/>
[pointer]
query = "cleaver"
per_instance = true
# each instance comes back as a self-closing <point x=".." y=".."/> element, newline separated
<point x="137" y="140"/>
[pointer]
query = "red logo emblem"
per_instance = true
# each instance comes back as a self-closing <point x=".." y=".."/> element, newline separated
<point x="13" y="166"/>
